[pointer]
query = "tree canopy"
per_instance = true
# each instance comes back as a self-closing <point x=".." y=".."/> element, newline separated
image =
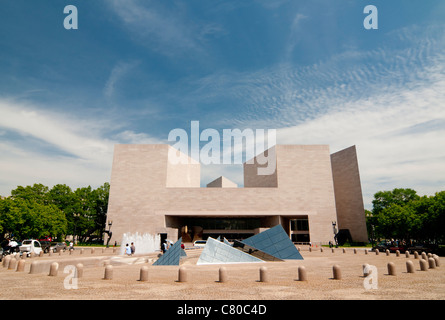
<point x="38" y="211"/>
<point x="403" y="214"/>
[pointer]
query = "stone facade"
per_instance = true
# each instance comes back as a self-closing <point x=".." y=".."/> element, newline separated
<point x="348" y="193"/>
<point x="150" y="195"/>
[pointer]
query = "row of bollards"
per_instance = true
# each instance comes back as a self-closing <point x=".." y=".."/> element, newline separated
<point x="424" y="255"/>
<point x="302" y="275"/>
<point x="431" y="263"/>
<point x="427" y="262"/>
<point x="222" y="272"/>
<point x="50" y="253"/>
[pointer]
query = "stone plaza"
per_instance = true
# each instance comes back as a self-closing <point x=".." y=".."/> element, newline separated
<point x="241" y="282"/>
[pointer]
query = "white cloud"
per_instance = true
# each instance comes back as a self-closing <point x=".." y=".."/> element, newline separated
<point x="60" y="130"/>
<point x="164" y="30"/>
<point x="81" y="153"/>
<point x="392" y="151"/>
<point x="389" y="102"/>
<point x="117" y="73"/>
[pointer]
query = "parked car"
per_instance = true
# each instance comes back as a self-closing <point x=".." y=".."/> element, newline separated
<point x="30" y="246"/>
<point x="57" y="246"/>
<point x="381" y="246"/>
<point x="423" y="248"/>
<point x="200" y="243"/>
<point x="46" y="246"/>
<point x="401" y="248"/>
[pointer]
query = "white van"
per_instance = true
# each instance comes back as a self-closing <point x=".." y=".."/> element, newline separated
<point x="30" y="246"/>
<point x="200" y="243"/>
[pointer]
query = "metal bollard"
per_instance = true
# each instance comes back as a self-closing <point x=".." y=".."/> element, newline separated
<point x="302" y="275"/>
<point x="366" y="270"/>
<point x="54" y="269"/>
<point x="79" y="271"/>
<point x="437" y="259"/>
<point x="108" y="272"/>
<point x="143" y="275"/>
<point x="21" y="266"/>
<point x="182" y="274"/>
<point x="336" y="272"/>
<point x="33" y="267"/>
<point x="392" y="269"/>
<point x="222" y="274"/>
<point x="263" y="275"/>
<point x="6" y="261"/>
<point x="410" y="267"/>
<point x="431" y="263"/>
<point x="423" y="265"/>
<point x="12" y="264"/>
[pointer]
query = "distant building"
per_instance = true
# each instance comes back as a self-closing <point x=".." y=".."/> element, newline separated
<point x="309" y="190"/>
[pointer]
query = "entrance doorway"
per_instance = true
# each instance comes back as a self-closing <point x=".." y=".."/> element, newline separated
<point x="163" y="237"/>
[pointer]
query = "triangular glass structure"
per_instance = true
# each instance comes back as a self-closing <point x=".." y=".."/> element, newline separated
<point x="254" y="251"/>
<point x="275" y="242"/>
<point x="216" y="252"/>
<point x="171" y="257"/>
<point x="227" y="242"/>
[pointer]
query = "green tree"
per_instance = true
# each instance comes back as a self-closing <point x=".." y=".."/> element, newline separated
<point x="396" y="221"/>
<point x="31" y="219"/>
<point x="37" y="192"/>
<point x="36" y="211"/>
<point x="431" y="212"/>
<point x="398" y="196"/>
<point x="89" y="212"/>
<point x="402" y="214"/>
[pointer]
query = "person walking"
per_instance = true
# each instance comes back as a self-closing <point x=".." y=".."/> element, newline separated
<point x="133" y="248"/>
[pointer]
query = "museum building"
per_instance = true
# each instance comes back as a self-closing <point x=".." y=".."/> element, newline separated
<point x="309" y="191"/>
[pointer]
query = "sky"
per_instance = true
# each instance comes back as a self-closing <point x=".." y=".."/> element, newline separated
<point x="136" y="69"/>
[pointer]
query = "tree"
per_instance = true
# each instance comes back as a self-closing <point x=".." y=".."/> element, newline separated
<point x="396" y="221"/>
<point x="30" y="219"/>
<point x="38" y="192"/>
<point x="402" y="214"/>
<point x="36" y="211"/>
<point x="101" y="196"/>
<point x="384" y="199"/>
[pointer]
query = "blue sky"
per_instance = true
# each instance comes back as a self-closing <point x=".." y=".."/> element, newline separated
<point x="135" y="70"/>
